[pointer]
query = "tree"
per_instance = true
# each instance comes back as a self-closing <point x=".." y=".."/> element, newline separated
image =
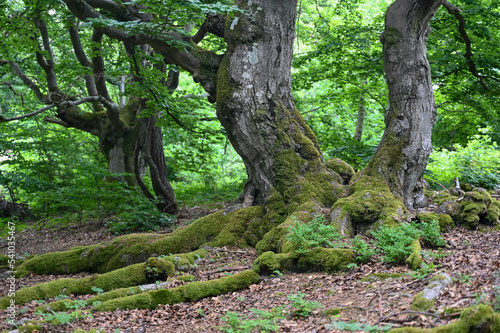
<point x="127" y="135"/>
<point x="288" y="181"/>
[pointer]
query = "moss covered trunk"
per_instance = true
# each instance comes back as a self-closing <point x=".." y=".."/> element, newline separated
<point x="402" y="155"/>
<point x="255" y="104"/>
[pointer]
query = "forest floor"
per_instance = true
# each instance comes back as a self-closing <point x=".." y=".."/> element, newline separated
<point x="471" y="258"/>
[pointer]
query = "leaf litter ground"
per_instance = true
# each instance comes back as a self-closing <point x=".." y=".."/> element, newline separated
<point x="472" y="258"/>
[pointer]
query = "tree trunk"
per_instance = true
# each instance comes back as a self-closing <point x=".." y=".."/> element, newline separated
<point x="255" y="104"/>
<point x="358" y="134"/>
<point x="136" y="146"/>
<point x="402" y="155"/>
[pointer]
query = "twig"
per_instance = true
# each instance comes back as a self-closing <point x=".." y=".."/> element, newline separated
<point x="405" y="312"/>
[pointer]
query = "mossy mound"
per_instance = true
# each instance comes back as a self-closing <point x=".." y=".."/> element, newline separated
<point x="415" y="259"/>
<point x="217" y="229"/>
<point x="370" y="204"/>
<point x="381" y="276"/>
<point x="318" y="259"/>
<point x="479" y="207"/>
<point x="343" y="169"/>
<point x="479" y="319"/>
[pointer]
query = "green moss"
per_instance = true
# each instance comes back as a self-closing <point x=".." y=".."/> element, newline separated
<point x="370" y="204"/>
<point x="128" y="276"/>
<point x="427" y="216"/>
<point x="443" y="197"/>
<point x="493" y="213"/>
<point x="326" y="260"/>
<point x="29" y="328"/>
<point x="445" y="222"/>
<point x="471" y="212"/>
<point x="420" y="303"/>
<point x="342" y="168"/>
<point x="392" y="36"/>
<point x="135" y="248"/>
<point x="381" y="276"/>
<point x="480" y="318"/>
<point x="159" y="269"/>
<point x="186" y="278"/>
<point x="415" y="259"/>
<point x="330" y="312"/>
<point x="190" y="292"/>
<point x="269" y="262"/>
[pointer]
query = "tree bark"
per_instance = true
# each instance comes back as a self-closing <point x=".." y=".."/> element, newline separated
<point x="402" y="155"/>
<point x="255" y="104"/>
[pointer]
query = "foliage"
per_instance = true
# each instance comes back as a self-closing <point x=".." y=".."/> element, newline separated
<point x="432" y="236"/>
<point x="265" y="321"/>
<point x="343" y="326"/>
<point x="139" y="215"/>
<point x="305" y="236"/>
<point x="395" y="242"/>
<point x="302" y="307"/>
<point x="476" y="163"/>
<point x="362" y="249"/>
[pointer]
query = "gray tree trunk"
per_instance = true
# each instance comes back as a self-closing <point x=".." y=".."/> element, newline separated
<point x="254" y="100"/>
<point x="402" y="155"/>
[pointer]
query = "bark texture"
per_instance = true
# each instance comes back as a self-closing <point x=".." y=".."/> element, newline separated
<point x="402" y="155"/>
<point x="254" y="100"/>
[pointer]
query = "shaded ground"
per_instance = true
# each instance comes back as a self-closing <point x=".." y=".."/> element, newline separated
<point x="471" y="258"/>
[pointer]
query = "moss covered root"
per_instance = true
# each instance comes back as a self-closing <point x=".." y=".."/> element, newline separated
<point x="128" y="276"/>
<point x="187" y="293"/>
<point x="370" y="204"/>
<point x="479" y="319"/>
<point x="217" y="229"/>
<point x="318" y="259"/>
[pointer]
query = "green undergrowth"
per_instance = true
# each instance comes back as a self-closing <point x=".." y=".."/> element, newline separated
<point x="317" y="246"/>
<point x="268" y="321"/>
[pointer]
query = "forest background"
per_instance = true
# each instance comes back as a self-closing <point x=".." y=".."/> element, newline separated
<point x="339" y="87"/>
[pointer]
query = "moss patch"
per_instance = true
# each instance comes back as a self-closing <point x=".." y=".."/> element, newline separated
<point x="342" y="168"/>
<point x="420" y="303"/>
<point x="381" y="276"/>
<point x="415" y="259"/>
<point x="371" y="203"/>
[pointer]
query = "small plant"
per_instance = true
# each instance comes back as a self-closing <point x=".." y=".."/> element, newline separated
<point x="362" y="249"/>
<point x="464" y="278"/>
<point x="432" y="236"/>
<point x="98" y="291"/>
<point x="395" y="242"/>
<point x="265" y="321"/>
<point x="422" y="273"/>
<point x="240" y="298"/>
<point x="277" y="273"/>
<point x="302" y="307"/>
<point x="343" y="326"/>
<point x="61" y="297"/>
<point x="305" y="236"/>
<point x="352" y="266"/>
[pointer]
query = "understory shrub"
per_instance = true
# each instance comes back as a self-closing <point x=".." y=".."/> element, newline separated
<point x="476" y="163"/>
<point x="306" y="236"/>
<point x="395" y="242"/>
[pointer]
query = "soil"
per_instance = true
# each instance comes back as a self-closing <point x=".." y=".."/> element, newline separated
<point x="471" y="258"/>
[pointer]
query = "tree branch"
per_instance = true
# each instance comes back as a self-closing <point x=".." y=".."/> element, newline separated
<point x="202" y="64"/>
<point x="46" y="64"/>
<point x="26" y="80"/>
<point x="455" y="11"/>
<point x="83" y="60"/>
<point x="62" y="104"/>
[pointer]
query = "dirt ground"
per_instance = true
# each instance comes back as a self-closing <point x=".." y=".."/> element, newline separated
<point x="471" y="258"/>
